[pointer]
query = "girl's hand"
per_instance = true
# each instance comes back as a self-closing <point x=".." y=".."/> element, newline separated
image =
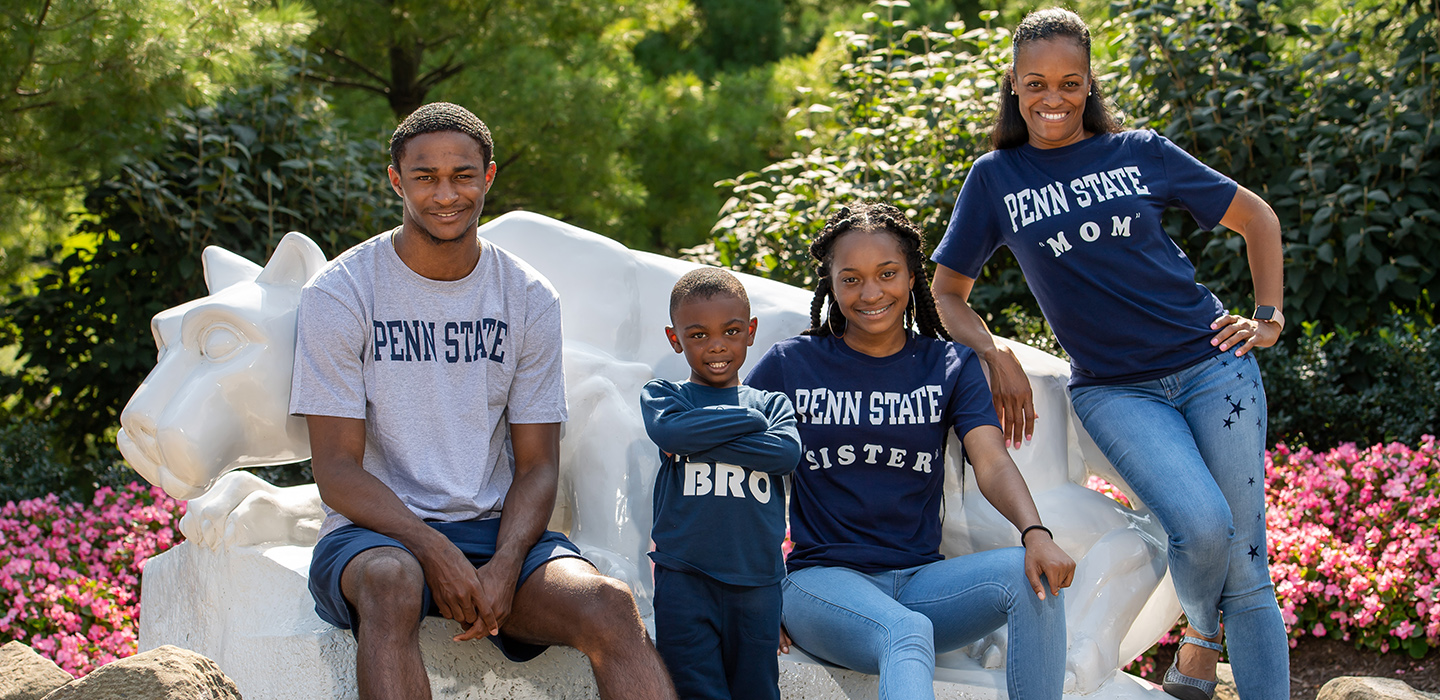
<point x="1243" y="334"/>
<point x="1043" y="556"/>
<point x="784" y="641"/>
<point x="1014" y="402"/>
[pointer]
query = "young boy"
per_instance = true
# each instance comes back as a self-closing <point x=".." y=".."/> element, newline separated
<point x="719" y="499"/>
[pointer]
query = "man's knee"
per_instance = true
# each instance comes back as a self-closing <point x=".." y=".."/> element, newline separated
<point x="608" y="615"/>
<point x="385" y="582"/>
<point x="612" y="601"/>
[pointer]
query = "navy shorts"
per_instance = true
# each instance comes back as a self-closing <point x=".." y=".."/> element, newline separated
<point x="475" y="538"/>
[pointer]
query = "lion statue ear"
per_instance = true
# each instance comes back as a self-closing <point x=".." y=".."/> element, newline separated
<point x="295" y="261"/>
<point x="225" y="269"/>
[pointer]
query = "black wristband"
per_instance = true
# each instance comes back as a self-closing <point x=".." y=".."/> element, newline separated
<point x="1027" y="530"/>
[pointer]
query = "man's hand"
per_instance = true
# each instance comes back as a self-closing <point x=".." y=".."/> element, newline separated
<point x="1014" y="401"/>
<point x="784" y="641"/>
<point x="1043" y="556"/>
<point x="496" y="593"/>
<point x="452" y="581"/>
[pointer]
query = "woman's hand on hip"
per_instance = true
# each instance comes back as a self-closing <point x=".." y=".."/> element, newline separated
<point x="1043" y="556"/>
<point x="1014" y="401"/>
<point x="1243" y="334"/>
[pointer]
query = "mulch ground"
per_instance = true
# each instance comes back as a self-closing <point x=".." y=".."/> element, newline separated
<point x="1315" y="661"/>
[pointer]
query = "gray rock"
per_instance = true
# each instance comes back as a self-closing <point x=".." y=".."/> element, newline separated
<point x="166" y="673"/>
<point x="1369" y="688"/>
<point x="1225" y="683"/>
<point x="25" y="675"/>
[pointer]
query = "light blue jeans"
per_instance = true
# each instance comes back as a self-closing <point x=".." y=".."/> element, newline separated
<point x="1192" y="446"/>
<point x="894" y="622"/>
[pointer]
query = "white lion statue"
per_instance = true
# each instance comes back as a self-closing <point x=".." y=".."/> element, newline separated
<point x="218" y="396"/>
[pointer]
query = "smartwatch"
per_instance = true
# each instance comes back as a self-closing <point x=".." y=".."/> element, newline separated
<point x="1271" y="314"/>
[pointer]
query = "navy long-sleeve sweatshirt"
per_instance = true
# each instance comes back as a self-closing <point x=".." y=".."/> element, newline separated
<point x="719" y="496"/>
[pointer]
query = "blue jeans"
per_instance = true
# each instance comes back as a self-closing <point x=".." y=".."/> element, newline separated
<point x="894" y="622"/>
<point x="1192" y="446"/>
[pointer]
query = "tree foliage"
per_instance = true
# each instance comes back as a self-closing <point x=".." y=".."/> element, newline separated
<point x="240" y="174"/>
<point x="1338" y="127"/>
<point x="84" y="83"/>
<point x="1342" y="139"/>
<point x="550" y="78"/>
<point x="909" y="113"/>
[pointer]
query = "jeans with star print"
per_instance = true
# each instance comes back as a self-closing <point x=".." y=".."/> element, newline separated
<point x="1192" y="446"/>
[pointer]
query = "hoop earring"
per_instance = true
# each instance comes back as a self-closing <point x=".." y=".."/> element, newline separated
<point x="830" y="321"/>
<point x="914" y="309"/>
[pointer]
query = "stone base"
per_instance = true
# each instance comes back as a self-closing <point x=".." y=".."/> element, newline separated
<point x="248" y="609"/>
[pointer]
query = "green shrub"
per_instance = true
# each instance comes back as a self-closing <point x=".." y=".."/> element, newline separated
<point x="908" y="115"/>
<point x="1337" y="127"/>
<point x="31" y="466"/>
<point x="1338" y="385"/>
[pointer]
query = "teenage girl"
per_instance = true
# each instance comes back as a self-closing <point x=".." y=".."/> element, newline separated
<point x="1162" y="375"/>
<point x="877" y="388"/>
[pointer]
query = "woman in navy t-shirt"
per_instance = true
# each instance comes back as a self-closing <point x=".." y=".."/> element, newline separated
<point x="1161" y="375"/>
<point x="875" y="402"/>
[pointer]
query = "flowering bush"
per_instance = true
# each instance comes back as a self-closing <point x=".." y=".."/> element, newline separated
<point x="1353" y="546"/>
<point x="70" y="574"/>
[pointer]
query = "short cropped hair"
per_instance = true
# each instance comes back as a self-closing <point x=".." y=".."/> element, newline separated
<point x="706" y="283"/>
<point x="441" y="116"/>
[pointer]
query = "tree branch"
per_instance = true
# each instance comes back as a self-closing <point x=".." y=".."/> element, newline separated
<point x="35" y="105"/>
<point x="340" y="56"/>
<point x="437" y="76"/>
<point x="508" y="162"/>
<point x="341" y="82"/>
<point x="72" y="23"/>
<point x="485" y="13"/>
<point x="438" y="42"/>
<point x="30" y="52"/>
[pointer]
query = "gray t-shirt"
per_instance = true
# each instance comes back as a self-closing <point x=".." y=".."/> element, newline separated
<point x="438" y="371"/>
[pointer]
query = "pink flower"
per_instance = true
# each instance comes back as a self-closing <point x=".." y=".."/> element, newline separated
<point x="70" y="571"/>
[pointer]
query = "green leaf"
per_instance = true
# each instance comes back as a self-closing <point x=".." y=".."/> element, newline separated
<point x="1384" y="275"/>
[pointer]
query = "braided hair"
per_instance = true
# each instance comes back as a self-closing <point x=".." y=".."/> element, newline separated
<point x="861" y="216"/>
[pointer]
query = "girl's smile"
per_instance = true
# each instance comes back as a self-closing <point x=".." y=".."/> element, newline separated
<point x="871" y="282"/>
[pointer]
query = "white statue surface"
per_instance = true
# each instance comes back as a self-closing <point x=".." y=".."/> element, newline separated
<point x="235" y="591"/>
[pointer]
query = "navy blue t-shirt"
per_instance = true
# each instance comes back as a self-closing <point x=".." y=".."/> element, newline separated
<point x="868" y="490"/>
<point x="719" y="494"/>
<point x="1084" y="222"/>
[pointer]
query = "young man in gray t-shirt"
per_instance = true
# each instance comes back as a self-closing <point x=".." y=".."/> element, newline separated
<point x="428" y="368"/>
